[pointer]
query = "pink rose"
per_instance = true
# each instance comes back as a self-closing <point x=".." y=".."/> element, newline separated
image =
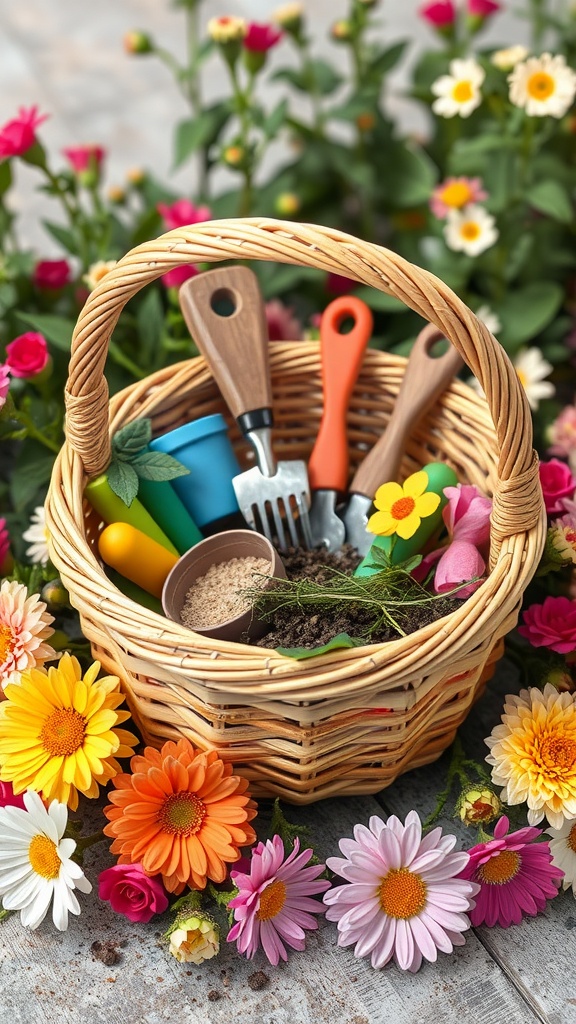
<point x="19" y="135"/>
<point x="4" y="383"/>
<point x="175" y="278"/>
<point x="482" y="8"/>
<point x="557" y="483"/>
<point x="85" y="160"/>
<point x="8" y="797"/>
<point x="51" y="274"/>
<point x="181" y="213"/>
<point x="27" y="355"/>
<point x="551" y="624"/>
<point x="439" y="13"/>
<point x="130" y="891"/>
<point x="261" y="38"/>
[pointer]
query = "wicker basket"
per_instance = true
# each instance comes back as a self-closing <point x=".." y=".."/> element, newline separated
<point x="351" y="721"/>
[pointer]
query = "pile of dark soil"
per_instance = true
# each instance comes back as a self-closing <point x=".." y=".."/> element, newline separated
<point x="315" y="626"/>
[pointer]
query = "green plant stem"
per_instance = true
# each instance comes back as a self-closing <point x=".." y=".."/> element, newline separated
<point x="538" y="18"/>
<point x="74" y="214"/>
<point x="318" y="117"/>
<point x="243" y="100"/>
<point x="85" y="842"/>
<point x="194" y="92"/>
<point x="33" y="431"/>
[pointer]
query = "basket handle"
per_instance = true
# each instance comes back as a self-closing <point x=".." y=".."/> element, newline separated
<point x="517" y="504"/>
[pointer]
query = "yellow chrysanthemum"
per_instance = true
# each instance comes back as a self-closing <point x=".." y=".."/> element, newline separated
<point x="401" y="508"/>
<point x="533" y="754"/>
<point x="58" y="732"/>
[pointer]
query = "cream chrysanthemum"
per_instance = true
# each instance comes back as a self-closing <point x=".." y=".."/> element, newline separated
<point x="59" y="732"/>
<point x="227" y="29"/>
<point x="35" y="865"/>
<point x="532" y="368"/>
<point x="543" y="86"/>
<point x="97" y="272"/>
<point x="458" y="92"/>
<point x="24" y="626"/>
<point x="509" y="57"/>
<point x="533" y="754"/>
<point x="37" y="537"/>
<point x="471" y="230"/>
<point x="563" y="850"/>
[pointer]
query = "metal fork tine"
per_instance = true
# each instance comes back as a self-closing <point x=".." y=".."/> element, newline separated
<point x="279" y="526"/>
<point x="292" y="528"/>
<point x="264" y="523"/>
<point x="302" y="503"/>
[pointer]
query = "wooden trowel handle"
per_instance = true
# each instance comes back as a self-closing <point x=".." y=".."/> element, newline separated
<point x="224" y="313"/>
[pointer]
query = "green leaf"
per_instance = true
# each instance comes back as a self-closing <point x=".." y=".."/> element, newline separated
<point x="528" y="310"/>
<point x="56" y="329"/>
<point x="551" y="197"/>
<point x="64" y="236"/>
<point x="158" y="466"/>
<point x="408" y="175"/>
<point x="199" y="132"/>
<point x="30" y="475"/>
<point x="5" y="176"/>
<point x="132" y="439"/>
<point x="380" y="301"/>
<point x="388" y="59"/>
<point x="275" y="119"/>
<point x="150" y="320"/>
<point x="336" y="643"/>
<point x="318" y="77"/>
<point x="123" y="480"/>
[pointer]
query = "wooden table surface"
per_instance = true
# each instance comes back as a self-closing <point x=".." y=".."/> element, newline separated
<point x="518" y="975"/>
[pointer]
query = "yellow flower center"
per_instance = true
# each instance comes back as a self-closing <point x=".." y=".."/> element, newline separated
<point x="540" y="85"/>
<point x="402" y="894"/>
<point x="271" y="901"/>
<point x="571" y="839"/>
<point x="558" y="754"/>
<point x="470" y="230"/>
<point x="462" y="91"/>
<point x="43" y="857"/>
<point x="63" y="732"/>
<point x="522" y="377"/>
<point x="6" y="642"/>
<point x="456" y="194"/>
<point x="500" y="869"/>
<point x="182" y="814"/>
<point x="403" y="507"/>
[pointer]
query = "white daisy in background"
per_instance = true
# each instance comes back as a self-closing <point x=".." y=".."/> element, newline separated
<point x="459" y="92"/>
<point x="37" y="537"/>
<point x="97" y="272"/>
<point x="471" y="230"/>
<point x="489" y="319"/>
<point x="543" y="86"/>
<point x="35" y="865"/>
<point x="508" y="58"/>
<point x="532" y="368"/>
<point x="563" y="850"/>
<point x="24" y="626"/>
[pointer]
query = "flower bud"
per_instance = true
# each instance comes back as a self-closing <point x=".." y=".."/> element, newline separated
<point x="116" y="195"/>
<point x="342" y="31"/>
<point x="560" y="679"/>
<point x="227" y="29"/>
<point x="365" y="121"/>
<point x="135" y="175"/>
<point x="55" y="595"/>
<point x="290" y="17"/>
<point x="234" y="156"/>
<point x="479" y="806"/>
<point x="138" y="42"/>
<point x="287" y="204"/>
<point x="194" y="936"/>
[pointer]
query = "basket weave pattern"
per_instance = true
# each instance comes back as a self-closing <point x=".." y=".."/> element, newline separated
<point x="350" y="721"/>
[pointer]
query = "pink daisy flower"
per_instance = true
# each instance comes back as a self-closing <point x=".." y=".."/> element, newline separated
<point x="24" y="626"/>
<point x="454" y="194"/>
<point x="405" y="898"/>
<point x="516" y="876"/>
<point x="273" y="908"/>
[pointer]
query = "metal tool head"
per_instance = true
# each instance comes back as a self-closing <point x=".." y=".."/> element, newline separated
<point x="355" y="517"/>
<point x="278" y="505"/>
<point x="326" y="527"/>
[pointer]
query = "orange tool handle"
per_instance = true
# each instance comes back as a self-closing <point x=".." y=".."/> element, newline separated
<point x="342" y="356"/>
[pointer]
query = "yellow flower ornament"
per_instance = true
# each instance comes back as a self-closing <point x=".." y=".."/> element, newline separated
<point x="402" y="507"/>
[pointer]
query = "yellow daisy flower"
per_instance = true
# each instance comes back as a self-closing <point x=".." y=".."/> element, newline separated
<point x="533" y="754"/>
<point x="401" y="508"/>
<point x="58" y="732"/>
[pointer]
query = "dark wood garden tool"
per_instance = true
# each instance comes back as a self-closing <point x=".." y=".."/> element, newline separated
<point x="425" y="378"/>
<point x="224" y="312"/>
<point x="328" y="465"/>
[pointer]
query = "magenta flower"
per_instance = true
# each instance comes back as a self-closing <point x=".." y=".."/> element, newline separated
<point x="8" y="797"/>
<point x="282" y="324"/>
<point x="27" y="355"/>
<point x="261" y="38"/>
<point x="273" y="908"/>
<point x="19" y="135"/>
<point x="175" y="278"/>
<point x="181" y="213"/>
<point x="482" y="8"/>
<point x="467" y="519"/>
<point x="51" y="274"/>
<point x="516" y="876"/>
<point x="4" y="383"/>
<point x="557" y="483"/>
<point x="87" y="157"/>
<point x="404" y="898"/>
<point x="551" y="624"/>
<point x="439" y="13"/>
<point x="337" y="284"/>
<point x="130" y="891"/>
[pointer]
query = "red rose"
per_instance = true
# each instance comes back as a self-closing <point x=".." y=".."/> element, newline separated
<point x="132" y="892"/>
<point x="551" y="624"/>
<point x="181" y="213"/>
<point x="19" y="135"/>
<point x="439" y="13"/>
<point x="260" y="38"/>
<point x="51" y="274"/>
<point x="557" y="483"/>
<point x="27" y="355"/>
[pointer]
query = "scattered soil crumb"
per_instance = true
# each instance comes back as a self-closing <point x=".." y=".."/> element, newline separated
<point x="258" y="980"/>
<point x="214" y="995"/>
<point x="106" y="951"/>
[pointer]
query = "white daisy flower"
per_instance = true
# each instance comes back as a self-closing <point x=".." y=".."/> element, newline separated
<point x="543" y="85"/>
<point x="563" y="850"/>
<point x="37" y="536"/>
<point x="489" y="319"/>
<point x="470" y="230"/>
<point x="35" y="865"/>
<point x="508" y="58"/>
<point x="459" y="92"/>
<point x="531" y="368"/>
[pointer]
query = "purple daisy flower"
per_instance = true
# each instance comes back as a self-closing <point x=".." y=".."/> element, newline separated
<point x="273" y="908"/>
<point x="404" y="899"/>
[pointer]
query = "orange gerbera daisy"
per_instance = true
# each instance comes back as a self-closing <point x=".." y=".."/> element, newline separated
<point x="182" y="814"/>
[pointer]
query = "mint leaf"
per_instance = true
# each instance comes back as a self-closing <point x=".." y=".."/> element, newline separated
<point x="131" y="439"/>
<point x="157" y="466"/>
<point x="123" y="480"/>
<point x="337" y="642"/>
